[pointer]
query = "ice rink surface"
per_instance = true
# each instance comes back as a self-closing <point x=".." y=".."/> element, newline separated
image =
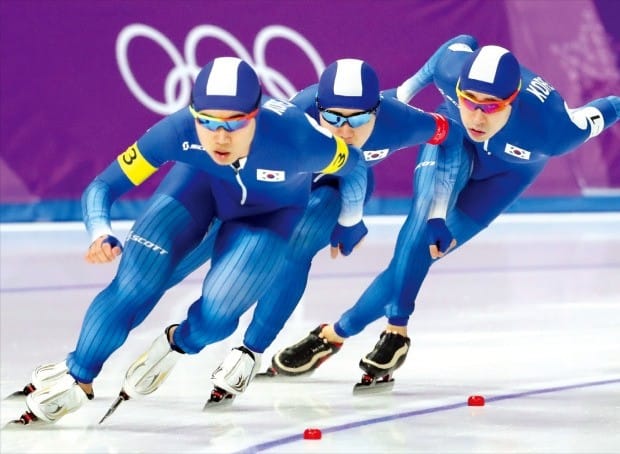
<point x="526" y="315"/>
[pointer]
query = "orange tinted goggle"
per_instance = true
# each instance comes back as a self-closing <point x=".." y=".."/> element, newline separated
<point x="229" y="124"/>
<point x="487" y="107"/>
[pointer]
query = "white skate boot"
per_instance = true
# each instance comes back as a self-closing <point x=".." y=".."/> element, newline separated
<point x="48" y="374"/>
<point x="148" y="372"/>
<point x="51" y="403"/>
<point x="151" y="369"/>
<point x="233" y="376"/>
<point x="42" y="377"/>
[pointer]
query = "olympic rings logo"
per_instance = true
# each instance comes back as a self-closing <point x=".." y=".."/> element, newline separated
<point x="178" y="83"/>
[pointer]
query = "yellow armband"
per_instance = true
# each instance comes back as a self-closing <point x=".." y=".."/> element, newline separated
<point x="340" y="158"/>
<point x="134" y="165"/>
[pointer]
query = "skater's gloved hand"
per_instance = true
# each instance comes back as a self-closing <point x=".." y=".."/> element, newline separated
<point x="440" y="238"/>
<point x="104" y="249"/>
<point x="345" y="239"/>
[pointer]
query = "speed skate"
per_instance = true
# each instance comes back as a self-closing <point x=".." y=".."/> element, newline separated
<point x="370" y="384"/>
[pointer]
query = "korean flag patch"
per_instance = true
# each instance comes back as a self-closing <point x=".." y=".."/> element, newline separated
<point x="270" y="175"/>
<point x="374" y="155"/>
<point x="517" y="152"/>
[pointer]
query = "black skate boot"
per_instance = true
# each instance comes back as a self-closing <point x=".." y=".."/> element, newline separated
<point x="306" y="355"/>
<point x="387" y="356"/>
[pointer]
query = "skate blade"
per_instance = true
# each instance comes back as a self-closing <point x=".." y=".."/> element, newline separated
<point x="27" y="421"/>
<point x="22" y="393"/>
<point x="377" y="387"/>
<point x="17" y="424"/>
<point x="269" y="374"/>
<point x="273" y="375"/>
<point x="225" y="401"/>
<point x="122" y="397"/>
<point x="17" y="395"/>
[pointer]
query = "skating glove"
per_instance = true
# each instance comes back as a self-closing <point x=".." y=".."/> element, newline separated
<point x="113" y="242"/>
<point x="438" y="234"/>
<point x="98" y="252"/>
<point x="346" y="238"/>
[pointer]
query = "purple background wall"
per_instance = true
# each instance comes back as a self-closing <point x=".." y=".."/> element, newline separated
<point x="67" y="107"/>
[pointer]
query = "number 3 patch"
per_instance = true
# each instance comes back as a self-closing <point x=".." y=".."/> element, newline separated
<point x="134" y="165"/>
